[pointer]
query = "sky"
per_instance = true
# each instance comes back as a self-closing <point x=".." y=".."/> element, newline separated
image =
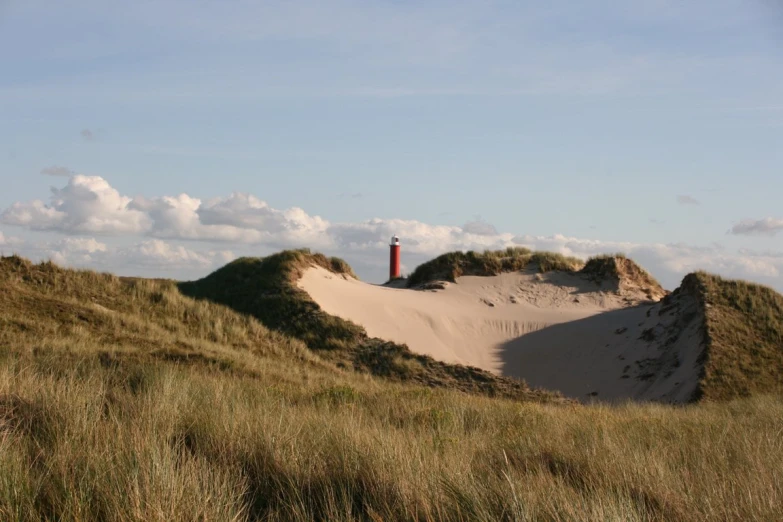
<point x="165" y="138"/>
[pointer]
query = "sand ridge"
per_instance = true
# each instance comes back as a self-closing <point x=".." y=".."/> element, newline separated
<point x="555" y="330"/>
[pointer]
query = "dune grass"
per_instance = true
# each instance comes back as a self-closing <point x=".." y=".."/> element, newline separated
<point x="450" y="266"/>
<point x="122" y="399"/>
<point x="45" y="307"/>
<point x="82" y="440"/>
<point x="744" y="329"/>
<point x="615" y="269"/>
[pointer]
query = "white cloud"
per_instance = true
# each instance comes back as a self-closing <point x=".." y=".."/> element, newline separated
<point x="81" y="244"/>
<point x="152" y="257"/>
<point x="86" y="205"/>
<point x="89" y="205"/>
<point x="75" y="251"/>
<point x="159" y="254"/>
<point x="418" y="237"/>
<point x="747" y="227"/>
<point x="247" y="212"/>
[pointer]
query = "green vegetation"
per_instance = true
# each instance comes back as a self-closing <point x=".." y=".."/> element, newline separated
<point x="624" y="272"/>
<point x="450" y="266"/>
<point x="616" y="269"/>
<point x="47" y="309"/>
<point x="744" y="332"/>
<point x="123" y="399"/>
<point x="265" y="288"/>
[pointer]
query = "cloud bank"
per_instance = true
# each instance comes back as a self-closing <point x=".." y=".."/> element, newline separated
<point x="184" y="234"/>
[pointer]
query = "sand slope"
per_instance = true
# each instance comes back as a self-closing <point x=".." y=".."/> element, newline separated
<point x="556" y="330"/>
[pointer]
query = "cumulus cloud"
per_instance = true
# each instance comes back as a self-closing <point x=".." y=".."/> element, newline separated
<point x="685" y="199"/>
<point x="152" y="257"/>
<point x="55" y="170"/>
<point x="86" y="205"/>
<point x="247" y="212"/>
<point x="160" y="254"/>
<point x="418" y="237"/>
<point x="749" y="227"/>
<point x="89" y="205"/>
<point x="75" y="251"/>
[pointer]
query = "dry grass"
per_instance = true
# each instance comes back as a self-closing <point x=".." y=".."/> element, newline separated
<point x="744" y="330"/>
<point x="46" y="307"/>
<point x="247" y="424"/>
<point x="84" y="441"/>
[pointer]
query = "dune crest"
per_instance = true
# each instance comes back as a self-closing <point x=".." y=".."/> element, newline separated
<point x="588" y="334"/>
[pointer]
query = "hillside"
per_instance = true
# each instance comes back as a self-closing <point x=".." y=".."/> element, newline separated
<point x="744" y="337"/>
<point x="123" y="399"/>
<point x="70" y="313"/>
<point x="265" y="288"/>
<point x="600" y="330"/>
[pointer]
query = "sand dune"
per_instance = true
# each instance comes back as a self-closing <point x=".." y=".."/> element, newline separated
<point x="556" y="330"/>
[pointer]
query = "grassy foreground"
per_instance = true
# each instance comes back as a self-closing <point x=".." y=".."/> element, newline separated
<point x="126" y="400"/>
<point x="82" y="440"/>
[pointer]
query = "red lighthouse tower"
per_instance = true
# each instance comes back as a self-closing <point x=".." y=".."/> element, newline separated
<point x="394" y="258"/>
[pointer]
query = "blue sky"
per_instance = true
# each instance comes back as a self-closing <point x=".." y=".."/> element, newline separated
<point x="654" y="127"/>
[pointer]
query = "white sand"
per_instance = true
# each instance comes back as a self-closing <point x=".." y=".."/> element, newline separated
<point x="555" y="330"/>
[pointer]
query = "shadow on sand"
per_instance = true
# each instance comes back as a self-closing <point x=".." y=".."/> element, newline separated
<point x="613" y="357"/>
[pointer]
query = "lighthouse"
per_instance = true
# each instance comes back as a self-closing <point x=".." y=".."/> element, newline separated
<point x="394" y="258"/>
